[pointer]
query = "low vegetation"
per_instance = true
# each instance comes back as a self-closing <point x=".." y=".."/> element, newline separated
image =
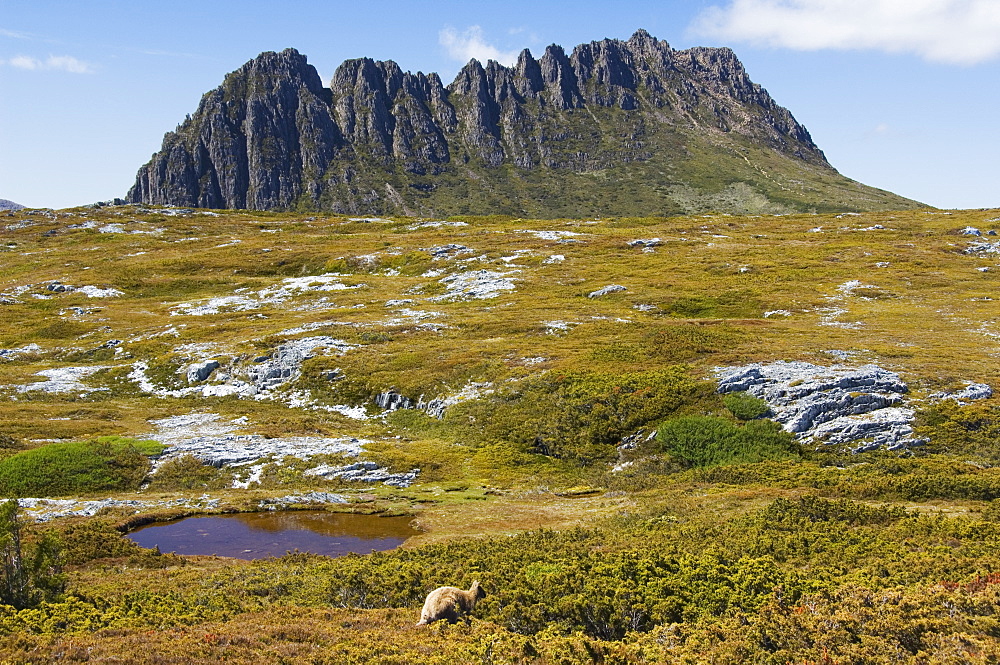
<point x="615" y="508"/>
<point x="105" y="464"/>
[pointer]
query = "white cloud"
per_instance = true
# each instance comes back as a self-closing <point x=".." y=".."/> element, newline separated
<point x="964" y="32"/>
<point x="13" y="34"/>
<point x="472" y="44"/>
<point x="63" y="63"/>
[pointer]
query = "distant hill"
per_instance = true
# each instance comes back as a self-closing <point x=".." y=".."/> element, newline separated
<point x="10" y="205"/>
<point x="615" y="128"/>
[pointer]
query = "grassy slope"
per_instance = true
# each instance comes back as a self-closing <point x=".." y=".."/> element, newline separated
<point x="607" y="162"/>
<point x="925" y="312"/>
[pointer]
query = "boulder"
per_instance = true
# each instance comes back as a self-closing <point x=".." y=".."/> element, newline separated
<point x="200" y="371"/>
<point x="831" y="405"/>
<point x="611" y="288"/>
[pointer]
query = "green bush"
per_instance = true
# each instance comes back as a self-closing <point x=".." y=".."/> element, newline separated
<point x="745" y="406"/>
<point x="187" y="472"/>
<point x="872" y="476"/>
<point x="577" y="416"/>
<point x="29" y="573"/>
<point x="706" y="441"/>
<point x="59" y="469"/>
<point x="969" y="430"/>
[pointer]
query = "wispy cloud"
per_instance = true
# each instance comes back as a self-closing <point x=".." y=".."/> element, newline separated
<point x="13" y="34"/>
<point x="471" y="43"/>
<point x="964" y="32"/>
<point x="62" y="63"/>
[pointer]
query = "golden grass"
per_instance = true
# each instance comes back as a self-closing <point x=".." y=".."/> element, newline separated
<point x="922" y="308"/>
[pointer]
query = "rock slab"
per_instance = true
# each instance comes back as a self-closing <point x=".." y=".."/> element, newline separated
<point x="862" y="406"/>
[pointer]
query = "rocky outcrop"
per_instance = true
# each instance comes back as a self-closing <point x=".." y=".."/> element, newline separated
<point x="383" y="140"/>
<point x="391" y="400"/>
<point x="217" y="443"/>
<point x="972" y="391"/>
<point x="603" y="291"/>
<point x="863" y="406"/>
<point x="260" y="141"/>
<point x="10" y="205"/>
<point x="365" y="472"/>
<point x="200" y="371"/>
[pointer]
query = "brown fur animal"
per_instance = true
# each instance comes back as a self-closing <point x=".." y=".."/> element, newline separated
<point x="450" y="603"/>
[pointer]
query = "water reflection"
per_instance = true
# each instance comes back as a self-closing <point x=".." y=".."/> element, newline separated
<point x="258" y="535"/>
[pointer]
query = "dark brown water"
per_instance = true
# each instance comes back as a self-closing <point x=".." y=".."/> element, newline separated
<point x="259" y="535"/>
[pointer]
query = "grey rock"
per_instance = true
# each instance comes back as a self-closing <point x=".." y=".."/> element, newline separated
<point x="982" y="247"/>
<point x="447" y="251"/>
<point x="10" y="205"/>
<point x="365" y="472"/>
<point x="28" y="349"/>
<point x="200" y="371"/>
<point x="832" y="405"/>
<point x="632" y="440"/>
<point x="105" y="204"/>
<point x="435" y="408"/>
<point x="59" y="287"/>
<point x="302" y="499"/>
<point x="973" y="391"/>
<point x="283" y="365"/>
<point x="645" y="242"/>
<point x="44" y="510"/>
<point x="391" y="401"/>
<point x="476" y="285"/>
<point x="971" y="231"/>
<point x="217" y="443"/>
<point x="64" y="380"/>
<point x="612" y="288"/>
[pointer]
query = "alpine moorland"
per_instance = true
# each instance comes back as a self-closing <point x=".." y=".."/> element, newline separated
<point x="705" y="438"/>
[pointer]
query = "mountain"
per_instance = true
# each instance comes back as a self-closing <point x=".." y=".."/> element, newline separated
<point x="10" y="205"/>
<point x="615" y="128"/>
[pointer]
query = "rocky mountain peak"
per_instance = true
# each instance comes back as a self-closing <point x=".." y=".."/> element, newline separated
<point x="513" y="139"/>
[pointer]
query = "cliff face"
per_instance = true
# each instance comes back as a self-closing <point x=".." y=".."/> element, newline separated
<point x="258" y="141"/>
<point x="616" y="127"/>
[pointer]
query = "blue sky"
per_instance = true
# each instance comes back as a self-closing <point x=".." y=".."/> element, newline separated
<point x="900" y="94"/>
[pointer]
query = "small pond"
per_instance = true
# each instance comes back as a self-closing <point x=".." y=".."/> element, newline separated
<point x="259" y="535"/>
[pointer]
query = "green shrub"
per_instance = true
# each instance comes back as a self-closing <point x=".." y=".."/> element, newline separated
<point x="705" y="441"/>
<point x="728" y="304"/>
<point x="94" y="538"/>
<point x="745" y="406"/>
<point x="147" y="447"/>
<point x="577" y="416"/>
<point x="872" y="476"/>
<point x="28" y="574"/>
<point x="187" y="472"/>
<point x="61" y="469"/>
<point x="969" y="430"/>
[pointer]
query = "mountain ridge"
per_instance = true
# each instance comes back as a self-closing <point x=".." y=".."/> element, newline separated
<point x="616" y="127"/>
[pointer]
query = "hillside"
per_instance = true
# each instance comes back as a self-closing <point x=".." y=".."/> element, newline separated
<point x="614" y="128"/>
<point x="534" y="394"/>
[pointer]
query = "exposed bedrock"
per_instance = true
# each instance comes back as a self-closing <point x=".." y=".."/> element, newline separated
<point x="832" y="405"/>
<point x="391" y="400"/>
